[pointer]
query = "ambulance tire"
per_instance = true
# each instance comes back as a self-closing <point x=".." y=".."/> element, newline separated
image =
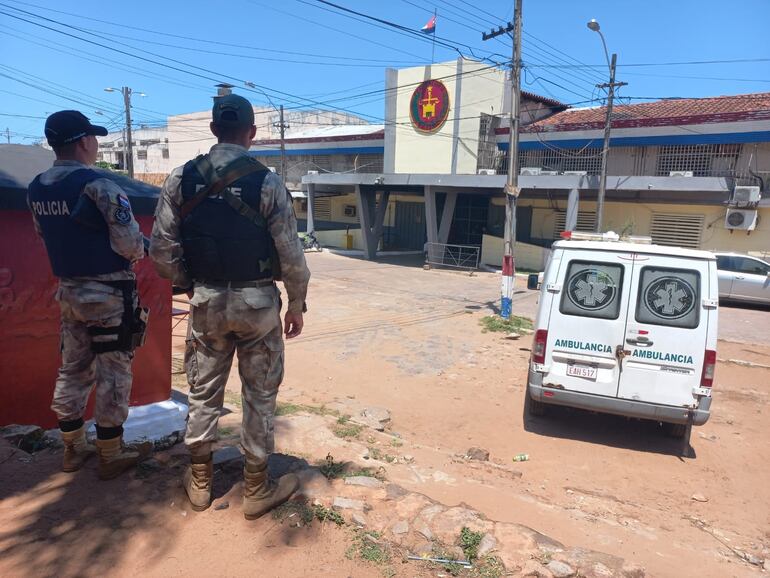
<point x="533" y="408"/>
<point x="675" y="430"/>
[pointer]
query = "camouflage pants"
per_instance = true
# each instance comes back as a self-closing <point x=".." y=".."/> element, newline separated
<point x="223" y="322"/>
<point x="84" y="305"/>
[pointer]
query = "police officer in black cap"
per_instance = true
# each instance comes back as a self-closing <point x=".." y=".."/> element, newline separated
<point x="92" y="240"/>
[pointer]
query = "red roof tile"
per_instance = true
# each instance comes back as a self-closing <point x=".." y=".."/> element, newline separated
<point x="670" y="112"/>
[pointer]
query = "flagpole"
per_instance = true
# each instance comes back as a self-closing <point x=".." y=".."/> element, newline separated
<point x="433" y="50"/>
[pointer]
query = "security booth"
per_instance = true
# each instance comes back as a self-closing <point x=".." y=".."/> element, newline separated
<point x="29" y="314"/>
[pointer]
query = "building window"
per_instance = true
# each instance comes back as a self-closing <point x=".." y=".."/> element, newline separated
<point x="99" y="156"/>
<point x="702" y="160"/>
<point x="487" y="153"/>
<point x="164" y="153"/>
<point x="320" y="163"/>
<point x="562" y="159"/>
<point x="367" y="163"/>
<point x="141" y="154"/>
<point x="677" y="230"/>
<point x="586" y="222"/>
<point x="322" y="209"/>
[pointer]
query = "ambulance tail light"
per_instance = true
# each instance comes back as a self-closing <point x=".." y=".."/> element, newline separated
<point x="709" y="367"/>
<point x="539" y="345"/>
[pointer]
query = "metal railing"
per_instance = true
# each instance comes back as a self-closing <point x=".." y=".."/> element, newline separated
<point x="465" y="257"/>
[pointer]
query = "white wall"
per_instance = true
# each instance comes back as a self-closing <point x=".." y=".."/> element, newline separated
<point x="417" y="152"/>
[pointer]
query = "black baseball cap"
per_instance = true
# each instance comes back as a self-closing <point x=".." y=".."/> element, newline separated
<point x="232" y="110"/>
<point x="67" y="126"/>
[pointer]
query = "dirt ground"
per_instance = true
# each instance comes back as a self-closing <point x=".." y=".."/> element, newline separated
<point x="395" y="336"/>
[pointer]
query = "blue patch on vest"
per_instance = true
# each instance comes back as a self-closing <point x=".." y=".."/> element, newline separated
<point x="122" y="216"/>
<point x="123" y="202"/>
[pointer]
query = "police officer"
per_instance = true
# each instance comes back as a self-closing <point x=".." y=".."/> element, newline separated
<point x="224" y="230"/>
<point x="92" y="239"/>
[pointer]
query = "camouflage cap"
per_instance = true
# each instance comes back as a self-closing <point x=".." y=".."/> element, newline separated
<point x="232" y="110"/>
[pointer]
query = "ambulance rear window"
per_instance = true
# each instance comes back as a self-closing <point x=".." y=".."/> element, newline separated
<point x="669" y="297"/>
<point x="592" y="290"/>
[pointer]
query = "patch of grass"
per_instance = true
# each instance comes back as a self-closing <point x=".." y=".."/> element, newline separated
<point x="396" y="443"/>
<point x="489" y="567"/>
<point x="379" y="473"/>
<point x="287" y="408"/>
<point x="347" y="430"/>
<point x="377" y="454"/>
<point x="234" y="398"/>
<point x="367" y="546"/>
<point x="451" y="569"/>
<point x="469" y="542"/>
<point x="332" y="470"/>
<point x="298" y="513"/>
<point x="499" y="325"/>
<point x="322" y="513"/>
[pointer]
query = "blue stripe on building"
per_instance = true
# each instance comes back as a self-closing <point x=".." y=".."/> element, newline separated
<point x="319" y="151"/>
<point x="684" y="139"/>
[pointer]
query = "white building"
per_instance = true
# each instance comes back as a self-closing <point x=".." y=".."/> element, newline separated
<point x="150" y="152"/>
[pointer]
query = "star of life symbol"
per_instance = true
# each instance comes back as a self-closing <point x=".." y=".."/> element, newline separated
<point x="671" y="297"/>
<point x="591" y="289"/>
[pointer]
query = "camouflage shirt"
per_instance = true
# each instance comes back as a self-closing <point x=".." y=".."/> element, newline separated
<point x="275" y="205"/>
<point x="125" y="238"/>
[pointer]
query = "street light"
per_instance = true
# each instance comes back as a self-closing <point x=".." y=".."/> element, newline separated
<point x="593" y="25"/>
<point x="127" y="92"/>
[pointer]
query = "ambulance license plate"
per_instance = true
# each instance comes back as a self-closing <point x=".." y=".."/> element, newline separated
<point x="584" y="371"/>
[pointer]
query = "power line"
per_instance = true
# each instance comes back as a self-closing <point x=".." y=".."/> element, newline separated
<point x="688" y="63"/>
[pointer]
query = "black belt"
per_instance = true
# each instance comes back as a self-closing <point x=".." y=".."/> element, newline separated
<point x="236" y="284"/>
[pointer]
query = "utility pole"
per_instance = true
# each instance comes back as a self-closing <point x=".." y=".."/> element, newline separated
<point x="130" y="151"/>
<point x="282" y="126"/>
<point x="8" y="134"/>
<point x="610" y="86"/>
<point x="512" y="183"/>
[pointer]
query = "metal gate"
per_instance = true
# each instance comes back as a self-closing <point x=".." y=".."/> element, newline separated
<point x="408" y="232"/>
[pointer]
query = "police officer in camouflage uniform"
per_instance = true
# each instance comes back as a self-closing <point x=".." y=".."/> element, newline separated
<point x="224" y="231"/>
<point x="92" y="239"/>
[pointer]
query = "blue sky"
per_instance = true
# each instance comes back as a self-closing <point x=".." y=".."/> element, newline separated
<point x="303" y="52"/>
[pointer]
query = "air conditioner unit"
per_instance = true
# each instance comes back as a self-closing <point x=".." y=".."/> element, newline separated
<point x="350" y="211"/>
<point x="312" y="172"/>
<point x="579" y="173"/>
<point x="272" y="169"/>
<point x="486" y="172"/>
<point x="530" y="171"/>
<point x="746" y="196"/>
<point x="680" y="174"/>
<point x="741" y="219"/>
<point x="550" y="173"/>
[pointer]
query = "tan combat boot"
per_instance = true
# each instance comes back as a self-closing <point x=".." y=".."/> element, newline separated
<point x="197" y="483"/>
<point x="261" y="496"/>
<point x="76" y="449"/>
<point x="114" y="459"/>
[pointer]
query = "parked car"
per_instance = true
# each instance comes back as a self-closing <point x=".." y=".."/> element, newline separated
<point x="626" y="328"/>
<point x="743" y="278"/>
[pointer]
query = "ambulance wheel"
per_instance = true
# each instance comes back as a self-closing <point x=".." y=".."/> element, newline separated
<point x="533" y="407"/>
<point x="675" y="430"/>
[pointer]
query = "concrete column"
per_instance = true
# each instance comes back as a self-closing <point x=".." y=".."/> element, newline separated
<point x="310" y="225"/>
<point x="573" y="200"/>
<point x="446" y="217"/>
<point x="371" y="224"/>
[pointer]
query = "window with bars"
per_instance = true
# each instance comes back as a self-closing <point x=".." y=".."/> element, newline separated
<point x="367" y="163"/>
<point x="141" y="154"/>
<point x="550" y="159"/>
<point x="677" y="230"/>
<point x="487" y="151"/>
<point x="586" y="222"/>
<point x="322" y="163"/>
<point x="704" y="160"/>
<point x="322" y="209"/>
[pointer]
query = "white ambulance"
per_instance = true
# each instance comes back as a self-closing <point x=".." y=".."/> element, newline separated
<point x="626" y="327"/>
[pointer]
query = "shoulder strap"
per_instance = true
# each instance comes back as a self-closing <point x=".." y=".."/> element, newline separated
<point x="237" y="169"/>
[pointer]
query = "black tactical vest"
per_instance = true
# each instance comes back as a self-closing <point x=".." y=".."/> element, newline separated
<point x="74" y="249"/>
<point x="219" y="243"/>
